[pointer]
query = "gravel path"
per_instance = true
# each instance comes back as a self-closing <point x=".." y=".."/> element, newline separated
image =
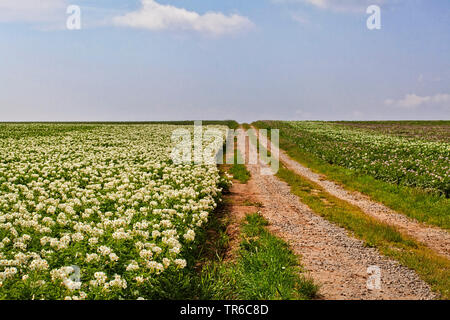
<point x="435" y="238"/>
<point x="332" y="258"/>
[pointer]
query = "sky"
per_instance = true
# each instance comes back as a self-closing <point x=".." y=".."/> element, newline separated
<point x="143" y="60"/>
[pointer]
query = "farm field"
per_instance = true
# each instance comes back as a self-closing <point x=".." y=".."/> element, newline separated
<point x="100" y="202"/>
<point x="402" y="164"/>
<point x="410" y="161"/>
<point x="101" y="211"/>
<point x="425" y="130"/>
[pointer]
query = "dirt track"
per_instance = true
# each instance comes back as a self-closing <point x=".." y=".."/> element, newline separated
<point x="331" y="257"/>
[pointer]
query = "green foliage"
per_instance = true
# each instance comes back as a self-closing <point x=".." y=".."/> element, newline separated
<point x="265" y="269"/>
<point x="425" y="206"/>
<point x="391" y="158"/>
<point x="105" y="198"/>
<point x="240" y="173"/>
<point x="239" y="170"/>
<point x="424" y="130"/>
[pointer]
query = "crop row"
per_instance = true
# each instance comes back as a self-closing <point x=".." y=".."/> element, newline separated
<point x="98" y="214"/>
<point x="398" y="160"/>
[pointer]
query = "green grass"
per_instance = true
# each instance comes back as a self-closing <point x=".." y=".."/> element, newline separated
<point x="237" y="169"/>
<point x="253" y="204"/>
<point x="240" y="173"/>
<point x="413" y="202"/>
<point x="431" y="268"/>
<point x="265" y="269"/>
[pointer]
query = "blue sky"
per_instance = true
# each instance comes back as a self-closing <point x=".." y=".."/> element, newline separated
<point x="228" y="59"/>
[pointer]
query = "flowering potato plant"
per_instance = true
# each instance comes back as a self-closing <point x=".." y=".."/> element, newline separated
<point x="97" y="211"/>
<point x="400" y="160"/>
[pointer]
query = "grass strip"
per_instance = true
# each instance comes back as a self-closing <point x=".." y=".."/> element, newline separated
<point x="246" y="126"/>
<point x="238" y="169"/>
<point x="265" y="269"/>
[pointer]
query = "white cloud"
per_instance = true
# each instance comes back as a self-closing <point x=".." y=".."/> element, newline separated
<point x="411" y="101"/>
<point x="155" y="16"/>
<point x="31" y="10"/>
<point x="300" y="18"/>
<point x="337" y="5"/>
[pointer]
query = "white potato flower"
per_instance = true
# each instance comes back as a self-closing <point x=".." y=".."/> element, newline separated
<point x="97" y="197"/>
